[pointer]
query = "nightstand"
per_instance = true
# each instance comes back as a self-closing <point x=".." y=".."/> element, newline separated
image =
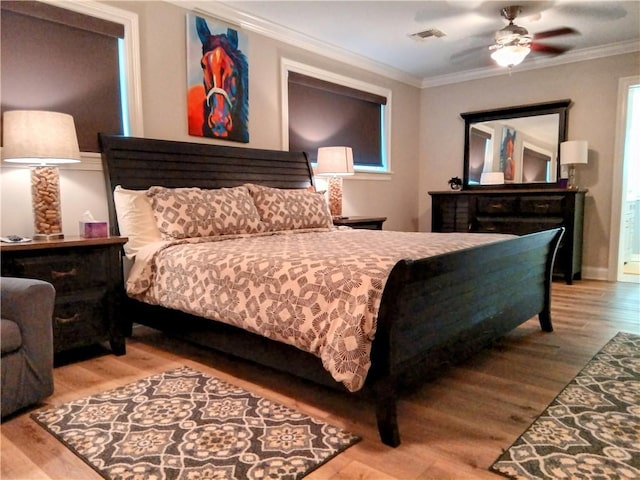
<point x="87" y="275"/>
<point x="369" y="223"/>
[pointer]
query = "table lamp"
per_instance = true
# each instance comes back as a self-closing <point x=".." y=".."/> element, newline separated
<point x="43" y="140"/>
<point x="335" y="162"/>
<point x="492" y="178"/>
<point x="572" y="153"/>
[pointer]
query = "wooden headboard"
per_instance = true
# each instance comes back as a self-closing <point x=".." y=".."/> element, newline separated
<point x="140" y="163"/>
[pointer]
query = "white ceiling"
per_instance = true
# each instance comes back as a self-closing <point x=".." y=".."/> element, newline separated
<point x="375" y="34"/>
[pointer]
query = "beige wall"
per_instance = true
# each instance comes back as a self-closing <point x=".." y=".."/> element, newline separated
<point x="593" y="88"/>
<point x="163" y="71"/>
<point x="162" y="31"/>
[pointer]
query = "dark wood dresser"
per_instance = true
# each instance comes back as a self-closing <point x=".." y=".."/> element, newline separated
<point x="519" y="212"/>
<point x="87" y="276"/>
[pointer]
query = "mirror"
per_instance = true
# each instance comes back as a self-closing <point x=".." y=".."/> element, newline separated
<point x="514" y="147"/>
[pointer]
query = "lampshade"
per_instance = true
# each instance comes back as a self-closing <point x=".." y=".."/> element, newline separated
<point x="42" y="139"/>
<point x="574" y="152"/>
<point x="492" y="178"/>
<point x="335" y="161"/>
<point x="38" y="137"/>
<point x="510" y="55"/>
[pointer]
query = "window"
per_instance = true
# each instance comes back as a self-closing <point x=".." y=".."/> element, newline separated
<point x="480" y="148"/>
<point x="536" y="165"/>
<point x="324" y="109"/>
<point x="84" y="57"/>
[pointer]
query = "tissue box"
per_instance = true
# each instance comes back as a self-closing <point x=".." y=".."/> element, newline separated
<point x="93" y="229"/>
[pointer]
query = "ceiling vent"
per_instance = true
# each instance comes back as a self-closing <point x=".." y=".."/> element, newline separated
<point x="432" y="32"/>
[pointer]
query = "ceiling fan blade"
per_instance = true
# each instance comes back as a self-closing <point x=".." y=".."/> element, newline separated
<point x="463" y="55"/>
<point x="548" y="49"/>
<point x="555" y="33"/>
<point x="595" y="11"/>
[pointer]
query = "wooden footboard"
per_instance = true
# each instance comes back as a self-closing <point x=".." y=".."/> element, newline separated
<point x="434" y="312"/>
<point x="447" y="307"/>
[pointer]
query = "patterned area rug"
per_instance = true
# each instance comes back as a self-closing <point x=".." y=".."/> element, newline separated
<point x="592" y="429"/>
<point x="183" y="424"/>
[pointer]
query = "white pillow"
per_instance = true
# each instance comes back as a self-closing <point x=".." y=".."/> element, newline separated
<point x="135" y="219"/>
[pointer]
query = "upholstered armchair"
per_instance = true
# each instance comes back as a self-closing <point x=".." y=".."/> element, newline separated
<point x="26" y="339"/>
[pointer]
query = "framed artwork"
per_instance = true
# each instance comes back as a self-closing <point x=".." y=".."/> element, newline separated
<point x="217" y="81"/>
<point x="507" y="149"/>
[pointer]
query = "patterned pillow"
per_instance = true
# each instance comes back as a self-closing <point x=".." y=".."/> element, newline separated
<point x="282" y="209"/>
<point x="194" y="212"/>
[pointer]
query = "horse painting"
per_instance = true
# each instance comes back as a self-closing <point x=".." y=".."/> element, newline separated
<point x="218" y="107"/>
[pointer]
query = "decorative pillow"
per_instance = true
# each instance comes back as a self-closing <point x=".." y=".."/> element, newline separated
<point x="284" y="209"/>
<point x="135" y="219"/>
<point x="194" y="212"/>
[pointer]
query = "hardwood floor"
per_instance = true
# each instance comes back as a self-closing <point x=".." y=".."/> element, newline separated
<point x="453" y="427"/>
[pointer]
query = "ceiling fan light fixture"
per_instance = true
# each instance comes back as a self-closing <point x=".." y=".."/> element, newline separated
<point x="510" y="55"/>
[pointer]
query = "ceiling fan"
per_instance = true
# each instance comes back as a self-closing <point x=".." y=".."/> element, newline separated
<point x="513" y="42"/>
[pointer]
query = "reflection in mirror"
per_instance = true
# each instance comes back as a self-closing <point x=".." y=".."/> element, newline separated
<point x="514" y="146"/>
<point x="524" y="149"/>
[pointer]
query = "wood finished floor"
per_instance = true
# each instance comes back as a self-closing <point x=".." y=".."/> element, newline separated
<point x="453" y="427"/>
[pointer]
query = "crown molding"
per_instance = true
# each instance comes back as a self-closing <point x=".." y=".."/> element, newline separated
<point x="535" y="63"/>
<point x="226" y="12"/>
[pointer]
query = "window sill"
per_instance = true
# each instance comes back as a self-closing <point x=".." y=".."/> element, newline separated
<point x="379" y="176"/>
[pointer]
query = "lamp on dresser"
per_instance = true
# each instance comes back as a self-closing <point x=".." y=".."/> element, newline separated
<point x="43" y="140"/>
<point x="335" y="162"/>
<point x="492" y="178"/>
<point x="572" y="153"/>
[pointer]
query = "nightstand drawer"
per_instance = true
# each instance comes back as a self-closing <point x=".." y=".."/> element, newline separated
<point x="367" y="223"/>
<point x="78" y="320"/>
<point x="87" y="276"/>
<point x="67" y="273"/>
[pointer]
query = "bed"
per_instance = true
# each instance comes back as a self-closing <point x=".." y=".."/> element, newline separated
<point x="432" y="311"/>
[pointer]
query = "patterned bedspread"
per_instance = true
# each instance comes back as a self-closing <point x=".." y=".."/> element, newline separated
<point x="318" y="291"/>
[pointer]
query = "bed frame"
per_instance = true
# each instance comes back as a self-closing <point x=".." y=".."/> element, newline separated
<point x="434" y="311"/>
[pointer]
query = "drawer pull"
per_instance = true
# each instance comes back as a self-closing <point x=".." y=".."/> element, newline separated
<point x="61" y="320"/>
<point x="497" y="206"/>
<point x="69" y="273"/>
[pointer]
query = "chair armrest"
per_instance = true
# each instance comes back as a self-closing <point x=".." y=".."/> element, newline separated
<point x="29" y="303"/>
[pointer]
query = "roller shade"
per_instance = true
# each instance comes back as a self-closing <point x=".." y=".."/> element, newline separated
<point x="59" y="60"/>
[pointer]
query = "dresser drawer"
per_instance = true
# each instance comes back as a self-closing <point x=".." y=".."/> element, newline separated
<point x="497" y="205"/>
<point x="517" y="225"/>
<point x="67" y="272"/>
<point x="79" y="320"/>
<point x="542" y="205"/>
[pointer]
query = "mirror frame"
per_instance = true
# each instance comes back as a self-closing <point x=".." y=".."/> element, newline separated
<point x="560" y="107"/>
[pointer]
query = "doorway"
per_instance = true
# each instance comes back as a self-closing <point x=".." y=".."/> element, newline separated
<point x="626" y="210"/>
